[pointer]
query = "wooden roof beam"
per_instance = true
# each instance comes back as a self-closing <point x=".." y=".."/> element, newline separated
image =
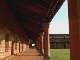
<point x="28" y="19"/>
<point x="36" y="15"/>
<point x="29" y="7"/>
<point x="55" y="10"/>
<point x="50" y="8"/>
<point x="31" y="29"/>
<point x="40" y="6"/>
<point x="46" y="1"/>
<point x="38" y="3"/>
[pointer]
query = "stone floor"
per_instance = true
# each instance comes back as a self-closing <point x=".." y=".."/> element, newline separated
<point x="29" y="54"/>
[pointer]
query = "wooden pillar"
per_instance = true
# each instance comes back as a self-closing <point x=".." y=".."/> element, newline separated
<point x="41" y="43"/>
<point x="36" y="45"/>
<point x="74" y="24"/>
<point x="46" y="41"/>
<point x="27" y="44"/>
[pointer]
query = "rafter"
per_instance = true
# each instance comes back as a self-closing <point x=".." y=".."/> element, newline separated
<point x="26" y="12"/>
<point x="31" y="14"/>
<point x="39" y="3"/>
<point x="31" y="29"/>
<point x="28" y="19"/>
<point x="28" y="7"/>
<point x="55" y="10"/>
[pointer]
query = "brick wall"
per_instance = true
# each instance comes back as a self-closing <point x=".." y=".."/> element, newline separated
<point x="9" y="25"/>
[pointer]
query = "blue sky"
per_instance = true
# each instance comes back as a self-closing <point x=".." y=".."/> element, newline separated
<point x="59" y="24"/>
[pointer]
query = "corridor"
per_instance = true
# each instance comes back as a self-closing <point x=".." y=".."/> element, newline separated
<point x="29" y="54"/>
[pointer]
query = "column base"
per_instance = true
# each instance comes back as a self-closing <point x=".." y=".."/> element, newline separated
<point x="41" y="54"/>
<point x="38" y="51"/>
<point x="46" y="59"/>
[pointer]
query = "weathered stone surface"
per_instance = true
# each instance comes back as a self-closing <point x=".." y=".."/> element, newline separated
<point x="9" y="31"/>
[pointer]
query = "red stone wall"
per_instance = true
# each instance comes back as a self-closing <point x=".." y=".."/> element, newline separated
<point x="8" y="25"/>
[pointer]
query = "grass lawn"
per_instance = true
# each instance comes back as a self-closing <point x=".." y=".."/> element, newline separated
<point x="60" y="54"/>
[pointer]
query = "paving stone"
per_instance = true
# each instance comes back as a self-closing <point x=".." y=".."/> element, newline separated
<point x="29" y="54"/>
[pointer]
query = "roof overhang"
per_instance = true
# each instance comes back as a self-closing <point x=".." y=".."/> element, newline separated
<point x="31" y="14"/>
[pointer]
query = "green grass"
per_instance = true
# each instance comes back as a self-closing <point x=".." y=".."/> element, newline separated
<point x="60" y="54"/>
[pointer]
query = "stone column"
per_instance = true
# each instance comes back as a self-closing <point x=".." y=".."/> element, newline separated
<point x="74" y="24"/>
<point x="41" y="43"/>
<point x="46" y="41"/>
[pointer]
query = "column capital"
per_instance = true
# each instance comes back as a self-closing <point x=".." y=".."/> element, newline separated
<point x="41" y="34"/>
<point x="46" y="25"/>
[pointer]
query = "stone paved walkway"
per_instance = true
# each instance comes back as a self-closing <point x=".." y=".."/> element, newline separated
<point x="29" y="54"/>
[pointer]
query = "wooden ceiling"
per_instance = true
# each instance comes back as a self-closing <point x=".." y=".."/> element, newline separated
<point x="31" y="14"/>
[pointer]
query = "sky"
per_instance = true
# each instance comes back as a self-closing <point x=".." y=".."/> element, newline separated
<point x="59" y="24"/>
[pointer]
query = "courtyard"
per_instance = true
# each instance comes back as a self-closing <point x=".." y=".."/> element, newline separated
<point x="60" y="54"/>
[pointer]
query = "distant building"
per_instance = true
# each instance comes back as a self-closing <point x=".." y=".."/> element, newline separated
<point x="59" y="41"/>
